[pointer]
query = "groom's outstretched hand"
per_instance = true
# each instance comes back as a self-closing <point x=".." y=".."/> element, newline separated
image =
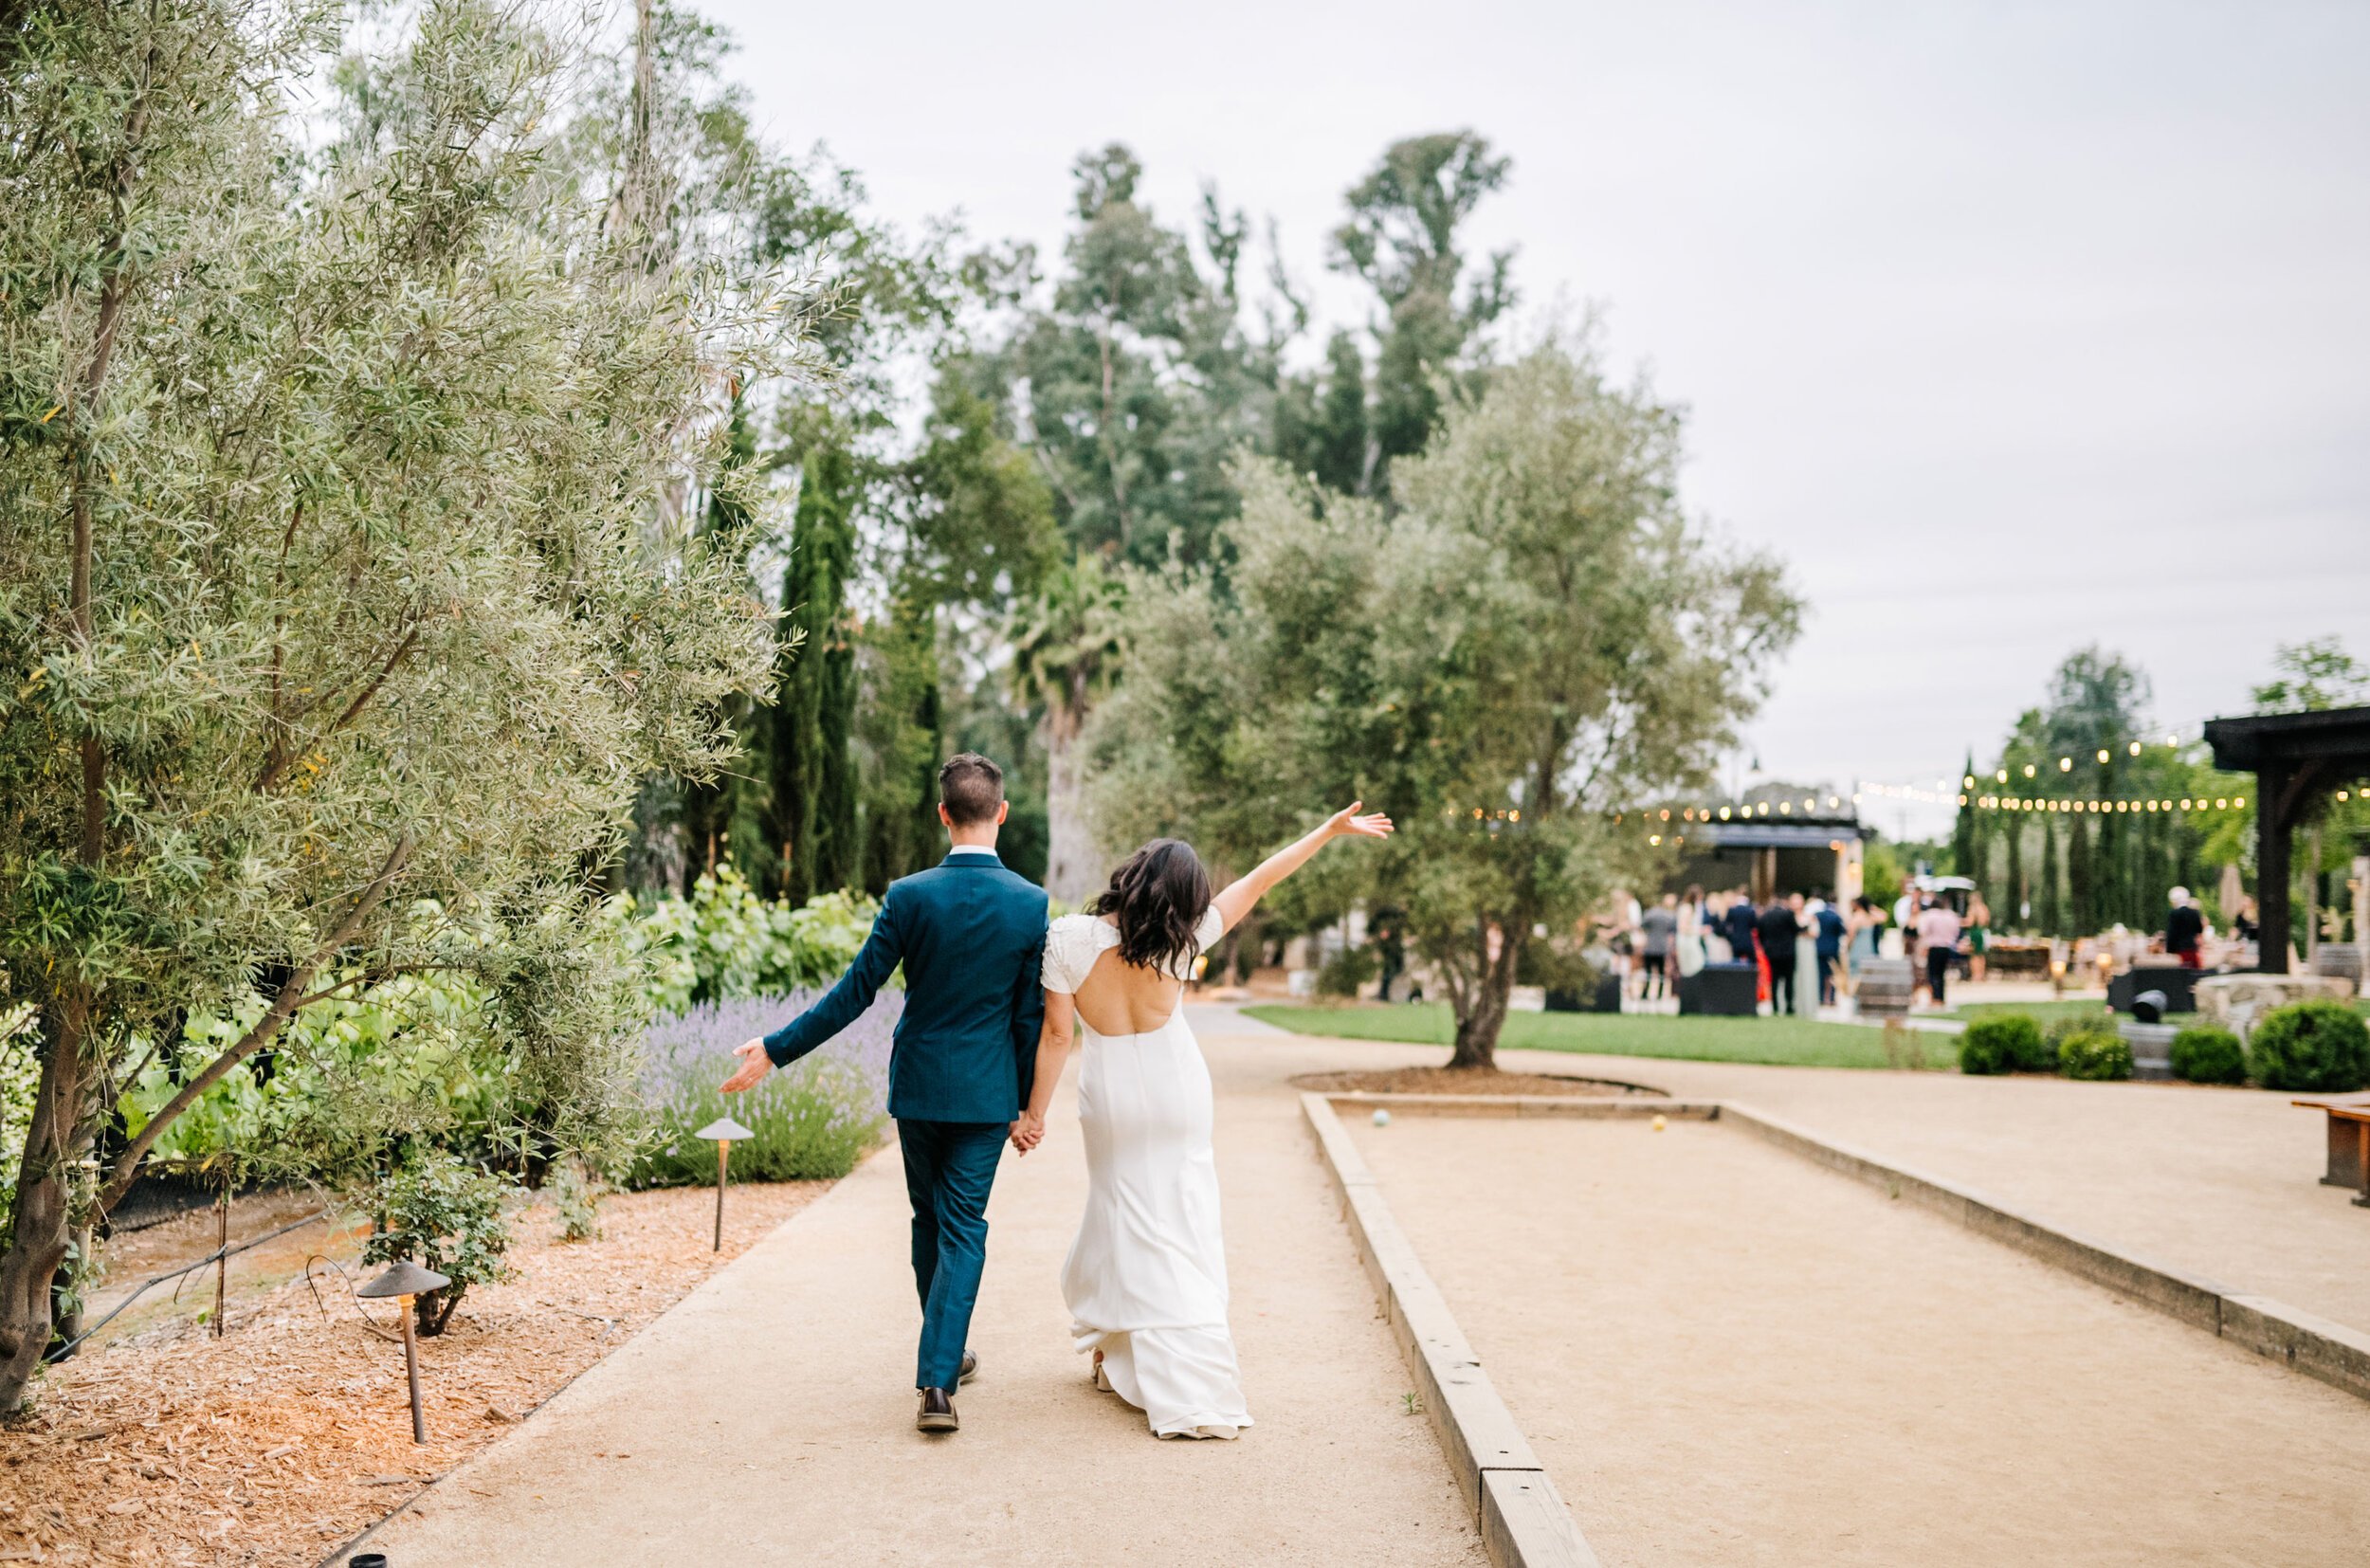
<point x="755" y="1065"/>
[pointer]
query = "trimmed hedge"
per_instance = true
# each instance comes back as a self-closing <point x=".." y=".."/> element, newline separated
<point x="2094" y="1055"/>
<point x="2320" y="1047"/>
<point x="2005" y="1042"/>
<point x="2208" y="1054"/>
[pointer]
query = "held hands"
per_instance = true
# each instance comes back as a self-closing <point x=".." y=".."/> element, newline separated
<point x="755" y="1065"/>
<point x="1347" y="823"/>
<point x="1028" y="1132"/>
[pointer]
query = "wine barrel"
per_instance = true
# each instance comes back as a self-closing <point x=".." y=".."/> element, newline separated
<point x="1886" y="986"/>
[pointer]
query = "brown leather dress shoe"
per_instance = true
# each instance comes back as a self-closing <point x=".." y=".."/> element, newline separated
<point x="936" y="1413"/>
<point x="971" y="1367"/>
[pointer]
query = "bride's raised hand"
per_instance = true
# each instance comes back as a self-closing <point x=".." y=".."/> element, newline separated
<point x="1347" y="823"/>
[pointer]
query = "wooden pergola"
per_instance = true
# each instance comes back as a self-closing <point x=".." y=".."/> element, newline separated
<point x="2296" y="759"/>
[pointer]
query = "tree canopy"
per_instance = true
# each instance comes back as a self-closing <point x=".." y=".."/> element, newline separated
<point x="1534" y="637"/>
<point x="343" y="566"/>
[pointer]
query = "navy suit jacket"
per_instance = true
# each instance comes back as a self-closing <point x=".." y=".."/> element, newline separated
<point x="972" y="937"/>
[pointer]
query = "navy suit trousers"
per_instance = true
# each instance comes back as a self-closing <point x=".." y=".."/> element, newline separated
<point x="949" y="1168"/>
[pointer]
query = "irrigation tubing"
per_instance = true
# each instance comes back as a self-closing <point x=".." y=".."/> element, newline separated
<point x="61" y="1352"/>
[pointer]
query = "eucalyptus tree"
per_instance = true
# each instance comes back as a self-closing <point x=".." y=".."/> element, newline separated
<point x="1133" y="380"/>
<point x="343" y="572"/>
<point x="1533" y="639"/>
<point x="1403" y="238"/>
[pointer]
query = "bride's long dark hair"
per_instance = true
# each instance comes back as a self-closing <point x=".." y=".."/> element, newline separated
<point x="1158" y="894"/>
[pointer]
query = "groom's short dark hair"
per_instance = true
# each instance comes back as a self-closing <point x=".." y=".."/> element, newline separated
<point x="971" y="787"/>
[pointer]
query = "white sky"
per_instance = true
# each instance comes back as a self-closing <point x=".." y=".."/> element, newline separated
<point x="2009" y="326"/>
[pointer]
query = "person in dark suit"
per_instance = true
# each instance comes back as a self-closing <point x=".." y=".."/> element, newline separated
<point x="1779" y="925"/>
<point x="1737" y="925"/>
<point x="971" y="936"/>
<point x="1830" y="931"/>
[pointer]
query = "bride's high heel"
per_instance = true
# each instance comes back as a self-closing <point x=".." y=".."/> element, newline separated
<point x="1102" y="1382"/>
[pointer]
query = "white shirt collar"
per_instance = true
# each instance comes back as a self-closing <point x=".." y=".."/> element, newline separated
<point x="971" y="849"/>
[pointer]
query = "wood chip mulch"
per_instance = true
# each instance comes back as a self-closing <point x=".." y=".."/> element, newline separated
<point x="291" y="1433"/>
<point x="1461" y="1081"/>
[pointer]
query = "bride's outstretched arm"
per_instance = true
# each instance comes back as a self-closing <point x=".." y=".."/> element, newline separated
<point x="1236" y="901"/>
<point x="1053" y="1041"/>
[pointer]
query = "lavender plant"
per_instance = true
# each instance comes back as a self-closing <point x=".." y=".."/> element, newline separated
<point x="815" y="1119"/>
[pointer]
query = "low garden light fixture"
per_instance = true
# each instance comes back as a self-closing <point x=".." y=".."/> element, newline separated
<point x="723" y="1129"/>
<point x="404" y="1280"/>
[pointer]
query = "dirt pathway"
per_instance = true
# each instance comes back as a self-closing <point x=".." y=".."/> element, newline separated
<point x="767" y="1417"/>
<point x="1726" y="1355"/>
<point x="2221" y="1182"/>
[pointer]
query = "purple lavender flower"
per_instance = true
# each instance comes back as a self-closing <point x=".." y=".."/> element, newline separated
<point x="814" y="1119"/>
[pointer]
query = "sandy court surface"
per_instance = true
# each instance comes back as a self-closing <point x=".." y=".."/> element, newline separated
<point x="2221" y="1182"/>
<point x="768" y="1418"/>
<point x="1725" y="1355"/>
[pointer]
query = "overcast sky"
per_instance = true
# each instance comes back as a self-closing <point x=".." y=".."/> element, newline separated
<point x="2009" y="328"/>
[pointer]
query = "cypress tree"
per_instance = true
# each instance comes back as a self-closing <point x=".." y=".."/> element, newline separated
<point x="2081" y="886"/>
<point x="2048" y="909"/>
<point x="2012" y="916"/>
<point x="722" y="818"/>
<point x="1962" y="832"/>
<point x="2107" y="857"/>
<point x="814" y="817"/>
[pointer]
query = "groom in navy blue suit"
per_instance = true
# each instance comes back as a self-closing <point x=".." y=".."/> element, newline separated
<point x="971" y="936"/>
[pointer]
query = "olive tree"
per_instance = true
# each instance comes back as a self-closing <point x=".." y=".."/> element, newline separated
<point x="1531" y="640"/>
<point x="342" y="595"/>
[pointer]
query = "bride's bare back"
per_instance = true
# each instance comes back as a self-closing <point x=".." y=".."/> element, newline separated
<point x="1118" y="998"/>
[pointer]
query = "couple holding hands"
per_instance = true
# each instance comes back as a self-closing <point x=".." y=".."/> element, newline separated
<point x="994" y="998"/>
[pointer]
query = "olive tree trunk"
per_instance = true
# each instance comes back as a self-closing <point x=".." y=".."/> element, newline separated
<point x="1481" y="1000"/>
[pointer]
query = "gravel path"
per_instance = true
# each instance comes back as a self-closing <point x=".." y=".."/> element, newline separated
<point x="767" y="1417"/>
<point x="1726" y="1355"/>
<point x="2221" y="1182"/>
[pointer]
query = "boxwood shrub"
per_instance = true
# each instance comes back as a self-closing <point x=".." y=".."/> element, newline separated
<point x="2208" y="1054"/>
<point x="2319" y="1047"/>
<point x="2003" y="1042"/>
<point x="2095" y="1054"/>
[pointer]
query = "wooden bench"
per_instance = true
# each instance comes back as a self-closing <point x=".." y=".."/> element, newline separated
<point x="2350" y="1144"/>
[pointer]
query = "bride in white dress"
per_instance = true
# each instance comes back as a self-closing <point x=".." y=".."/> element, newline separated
<point x="1146" y="1278"/>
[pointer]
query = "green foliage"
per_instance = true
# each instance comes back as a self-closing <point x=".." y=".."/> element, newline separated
<point x="1068" y="639"/>
<point x="1777" y="1042"/>
<point x="1348" y="969"/>
<point x="1557" y="966"/>
<point x="2313" y="674"/>
<point x="2005" y="1043"/>
<point x="2317" y="1046"/>
<point x="2094" y="1054"/>
<point x="2208" y="1054"/>
<point x="725" y="941"/>
<point x="1537" y="630"/>
<point x="576" y="1200"/>
<point x="361" y="430"/>
<point x="445" y="1215"/>
<point x="1402" y="238"/>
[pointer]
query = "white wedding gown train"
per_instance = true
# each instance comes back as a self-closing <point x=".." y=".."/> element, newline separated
<point x="1145" y="1279"/>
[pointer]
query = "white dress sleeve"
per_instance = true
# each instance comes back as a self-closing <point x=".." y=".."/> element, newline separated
<point x="1069" y="952"/>
<point x="1211" y="930"/>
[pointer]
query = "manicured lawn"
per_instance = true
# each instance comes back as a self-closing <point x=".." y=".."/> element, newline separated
<point x="1781" y="1042"/>
<point x="2046" y="1013"/>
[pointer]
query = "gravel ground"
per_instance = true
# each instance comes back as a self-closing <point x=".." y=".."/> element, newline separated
<point x="1725" y="1355"/>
